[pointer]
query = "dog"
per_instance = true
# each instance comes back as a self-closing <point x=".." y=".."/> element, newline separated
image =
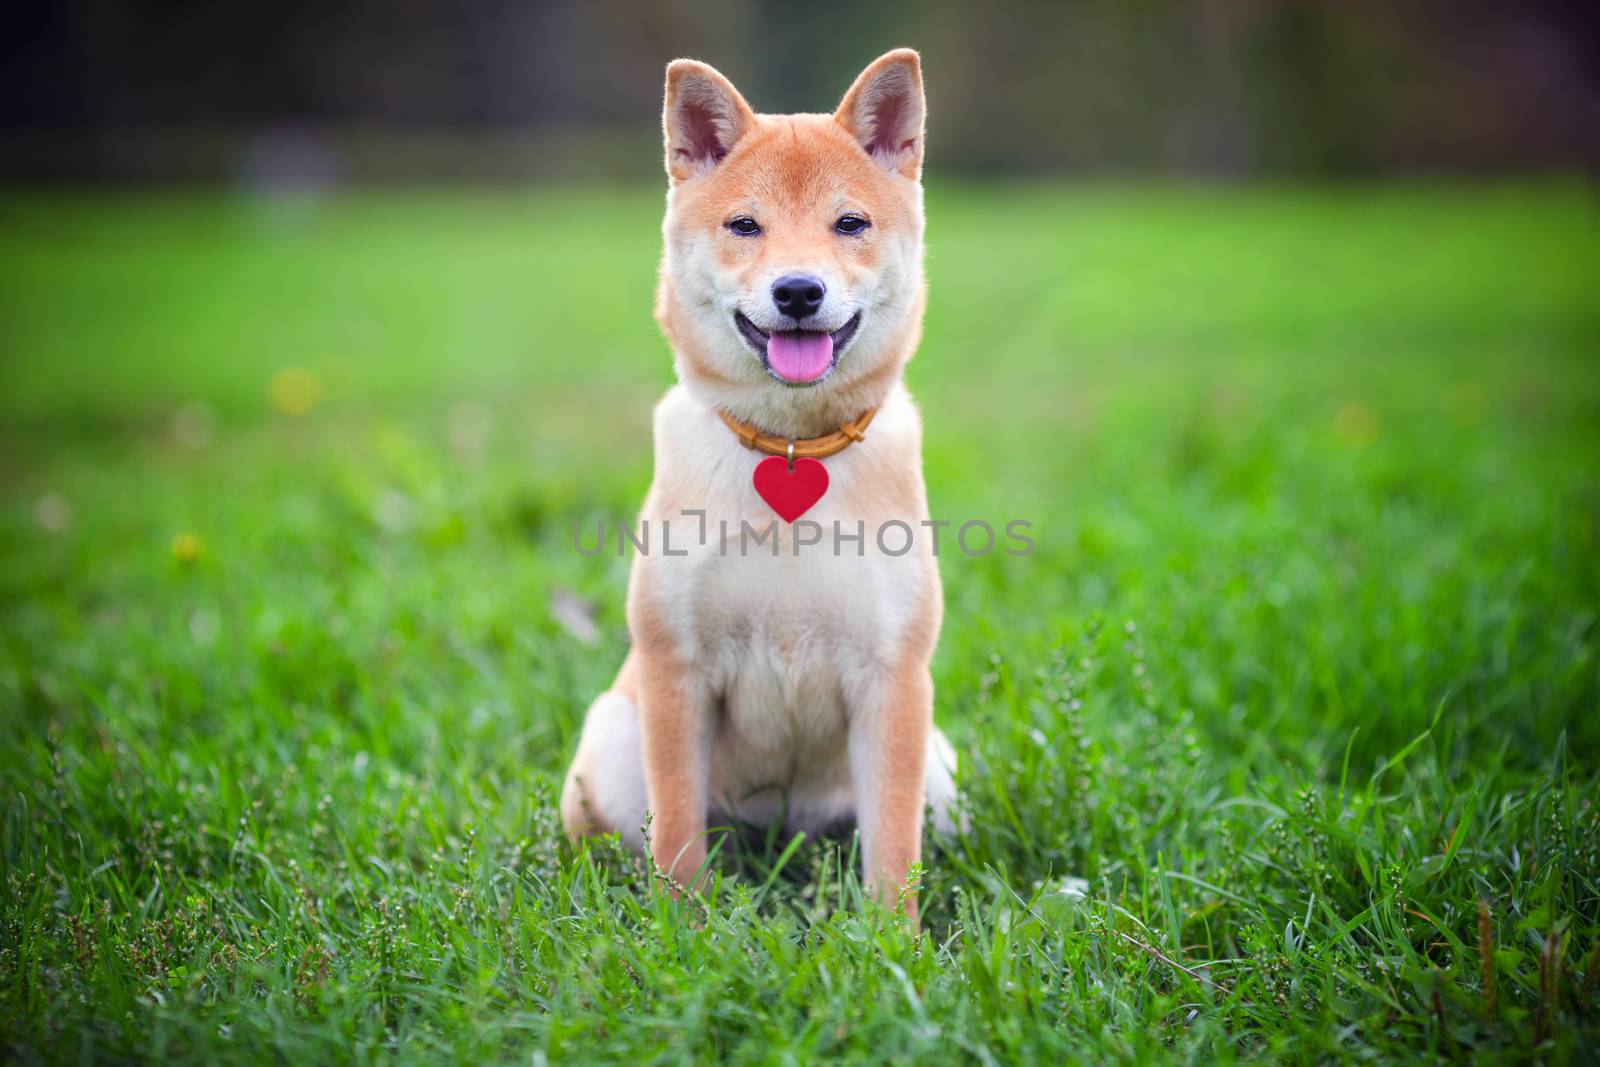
<point x="780" y="683"/>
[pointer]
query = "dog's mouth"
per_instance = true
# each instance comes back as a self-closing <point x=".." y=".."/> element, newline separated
<point x="798" y="357"/>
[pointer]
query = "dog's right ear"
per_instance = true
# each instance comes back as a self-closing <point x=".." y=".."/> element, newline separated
<point x="704" y="117"/>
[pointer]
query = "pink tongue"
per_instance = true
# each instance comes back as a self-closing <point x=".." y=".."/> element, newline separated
<point x="800" y="355"/>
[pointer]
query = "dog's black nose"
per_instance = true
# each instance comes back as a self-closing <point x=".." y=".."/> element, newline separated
<point x="798" y="295"/>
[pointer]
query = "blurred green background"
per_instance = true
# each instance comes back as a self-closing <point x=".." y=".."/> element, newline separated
<point x="1309" y="427"/>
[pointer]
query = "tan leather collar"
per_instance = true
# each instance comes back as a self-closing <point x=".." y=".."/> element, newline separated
<point x="811" y="447"/>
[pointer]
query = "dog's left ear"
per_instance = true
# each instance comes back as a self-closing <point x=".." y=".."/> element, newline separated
<point x="884" y="110"/>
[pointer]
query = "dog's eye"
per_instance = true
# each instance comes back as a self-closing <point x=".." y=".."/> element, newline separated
<point x="744" y="226"/>
<point x="850" y="225"/>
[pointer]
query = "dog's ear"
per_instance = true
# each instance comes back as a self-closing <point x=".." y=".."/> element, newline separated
<point x="704" y="116"/>
<point x="884" y="110"/>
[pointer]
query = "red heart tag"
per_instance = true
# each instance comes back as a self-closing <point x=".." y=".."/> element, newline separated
<point x="791" y="492"/>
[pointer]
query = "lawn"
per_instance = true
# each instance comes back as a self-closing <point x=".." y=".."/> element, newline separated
<point x="1282" y="744"/>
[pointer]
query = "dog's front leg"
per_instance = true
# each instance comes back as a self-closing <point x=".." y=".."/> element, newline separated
<point x="888" y="767"/>
<point x="675" y="731"/>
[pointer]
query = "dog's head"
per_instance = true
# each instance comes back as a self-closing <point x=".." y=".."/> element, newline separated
<point x="793" y="243"/>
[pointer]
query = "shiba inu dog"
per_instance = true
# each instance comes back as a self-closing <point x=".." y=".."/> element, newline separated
<point x="790" y="681"/>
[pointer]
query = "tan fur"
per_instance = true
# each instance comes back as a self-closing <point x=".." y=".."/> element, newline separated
<point x="787" y="684"/>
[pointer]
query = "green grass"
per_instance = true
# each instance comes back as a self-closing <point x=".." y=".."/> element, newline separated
<point x="1301" y="676"/>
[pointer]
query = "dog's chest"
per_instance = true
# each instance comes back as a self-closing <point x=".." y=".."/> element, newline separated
<point x="797" y="629"/>
<point x="786" y="626"/>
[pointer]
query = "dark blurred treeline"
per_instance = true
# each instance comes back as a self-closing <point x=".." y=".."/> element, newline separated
<point x="409" y="89"/>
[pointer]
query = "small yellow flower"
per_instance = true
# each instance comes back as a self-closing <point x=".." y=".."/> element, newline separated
<point x="295" y="391"/>
<point x="1357" y="424"/>
<point x="186" y="548"/>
